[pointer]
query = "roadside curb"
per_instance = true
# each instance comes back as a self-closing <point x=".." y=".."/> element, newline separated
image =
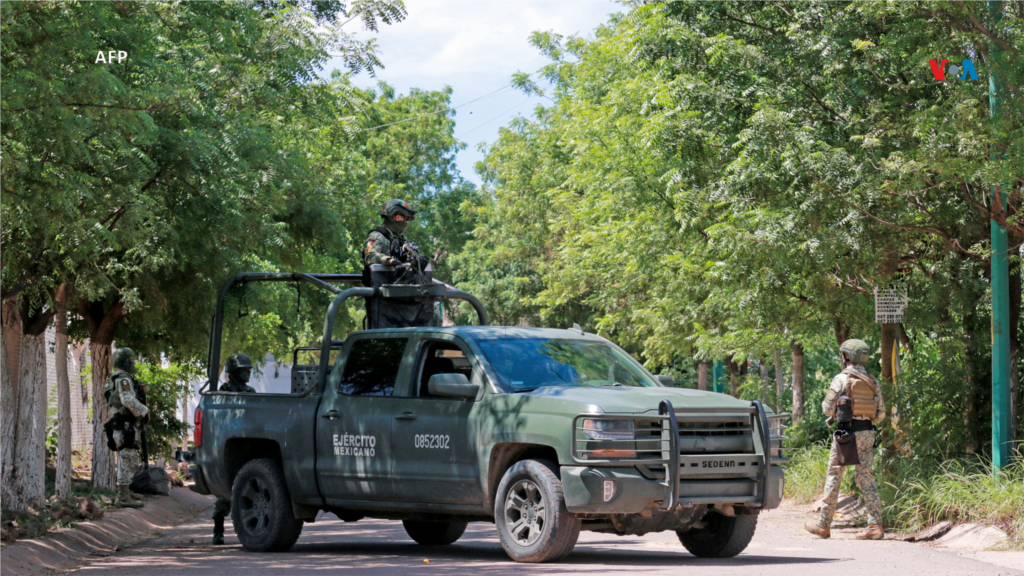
<point x="120" y="527"/>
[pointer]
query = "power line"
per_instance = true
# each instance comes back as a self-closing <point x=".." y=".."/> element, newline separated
<point x="441" y="111"/>
<point x="495" y="118"/>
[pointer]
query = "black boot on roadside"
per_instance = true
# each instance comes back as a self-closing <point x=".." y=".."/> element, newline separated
<point x="218" y="531"/>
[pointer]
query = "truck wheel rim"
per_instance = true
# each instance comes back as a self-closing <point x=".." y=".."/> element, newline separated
<point x="526" y="513"/>
<point x="255" y="506"/>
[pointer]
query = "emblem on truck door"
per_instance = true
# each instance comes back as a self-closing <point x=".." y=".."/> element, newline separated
<point x="355" y="445"/>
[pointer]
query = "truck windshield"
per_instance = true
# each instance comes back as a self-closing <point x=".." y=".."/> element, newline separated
<point x="525" y="364"/>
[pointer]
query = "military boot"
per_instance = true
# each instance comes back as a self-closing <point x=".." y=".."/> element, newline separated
<point x="874" y="532"/>
<point x="218" y="531"/>
<point x="124" y="498"/>
<point x="815" y="527"/>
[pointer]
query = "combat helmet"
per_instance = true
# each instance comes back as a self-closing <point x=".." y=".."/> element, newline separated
<point x="123" y="360"/>
<point x="237" y="362"/>
<point x="395" y="206"/>
<point x="857" y="351"/>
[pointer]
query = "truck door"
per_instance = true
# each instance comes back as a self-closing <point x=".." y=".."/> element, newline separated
<point x="434" y="455"/>
<point x="354" y="423"/>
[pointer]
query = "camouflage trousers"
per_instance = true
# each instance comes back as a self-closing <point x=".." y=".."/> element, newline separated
<point x="865" y="481"/>
<point x="127" y="461"/>
<point x="127" y="465"/>
<point x="221" y="508"/>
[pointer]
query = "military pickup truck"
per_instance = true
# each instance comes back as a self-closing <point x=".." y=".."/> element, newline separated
<point x="543" y="432"/>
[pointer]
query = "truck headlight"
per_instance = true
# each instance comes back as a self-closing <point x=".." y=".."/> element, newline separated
<point x="609" y="439"/>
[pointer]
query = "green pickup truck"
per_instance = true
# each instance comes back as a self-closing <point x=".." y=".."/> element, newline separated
<point x="544" y="432"/>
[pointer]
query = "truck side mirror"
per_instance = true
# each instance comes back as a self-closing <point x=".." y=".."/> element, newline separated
<point x="666" y="380"/>
<point x="452" y="386"/>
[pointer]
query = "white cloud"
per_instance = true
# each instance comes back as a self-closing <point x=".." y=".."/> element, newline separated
<point x="475" y="47"/>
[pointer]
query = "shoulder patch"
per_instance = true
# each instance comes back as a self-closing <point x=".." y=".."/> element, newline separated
<point x="369" y="245"/>
<point x="126" y="386"/>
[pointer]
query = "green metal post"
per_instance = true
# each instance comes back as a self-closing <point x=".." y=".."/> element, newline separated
<point x="1000" y="284"/>
<point x="717" y="387"/>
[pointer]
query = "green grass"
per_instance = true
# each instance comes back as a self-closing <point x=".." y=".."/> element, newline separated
<point x="917" y="493"/>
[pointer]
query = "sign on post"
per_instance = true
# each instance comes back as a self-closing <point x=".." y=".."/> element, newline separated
<point x="890" y="302"/>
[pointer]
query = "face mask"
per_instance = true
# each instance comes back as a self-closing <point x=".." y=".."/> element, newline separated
<point x="398" y="226"/>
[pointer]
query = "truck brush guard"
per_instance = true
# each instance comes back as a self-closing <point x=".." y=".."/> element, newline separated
<point x="690" y="443"/>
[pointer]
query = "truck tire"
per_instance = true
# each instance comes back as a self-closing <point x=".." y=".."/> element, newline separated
<point x="533" y="523"/>
<point x="434" y="533"/>
<point x="723" y="537"/>
<point x="261" y="508"/>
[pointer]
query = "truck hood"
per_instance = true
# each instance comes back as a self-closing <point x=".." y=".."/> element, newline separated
<point x="635" y="400"/>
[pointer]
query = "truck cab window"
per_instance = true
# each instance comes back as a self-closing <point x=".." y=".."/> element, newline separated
<point x="371" y="367"/>
<point x="442" y="358"/>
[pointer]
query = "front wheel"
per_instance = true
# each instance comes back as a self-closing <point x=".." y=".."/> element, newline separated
<point x="261" y="508"/>
<point x="721" y="537"/>
<point x="434" y="533"/>
<point x="533" y="523"/>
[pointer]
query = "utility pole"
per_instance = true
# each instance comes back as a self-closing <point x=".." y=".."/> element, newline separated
<point x="1000" y="278"/>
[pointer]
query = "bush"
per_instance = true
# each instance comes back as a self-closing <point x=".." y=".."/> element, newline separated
<point x="165" y="389"/>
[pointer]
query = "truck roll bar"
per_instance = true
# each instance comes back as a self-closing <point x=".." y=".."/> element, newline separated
<point x="393" y="291"/>
<point x="325" y="282"/>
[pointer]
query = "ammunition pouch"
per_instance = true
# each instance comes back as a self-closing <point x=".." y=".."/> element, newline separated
<point x="844" y="410"/>
<point x="126" y="426"/>
<point x="846" y="448"/>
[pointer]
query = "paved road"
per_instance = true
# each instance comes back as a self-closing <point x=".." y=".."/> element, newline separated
<point x="381" y="548"/>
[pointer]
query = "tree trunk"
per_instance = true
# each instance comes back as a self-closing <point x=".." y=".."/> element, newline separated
<point x="62" y="483"/>
<point x="798" y="382"/>
<point x="780" y="381"/>
<point x="11" y="343"/>
<point x="766" y="380"/>
<point x="733" y="377"/>
<point x="973" y="443"/>
<point x="102" y="322"/>
<point x="104" y="474"/>
<point x="28" y="472"/>
<point x="702" y="375"/>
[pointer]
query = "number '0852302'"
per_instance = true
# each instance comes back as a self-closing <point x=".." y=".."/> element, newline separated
<point x="428" y="441"/>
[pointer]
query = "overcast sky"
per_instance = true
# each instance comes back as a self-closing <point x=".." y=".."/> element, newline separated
<point x="475" y="46"/>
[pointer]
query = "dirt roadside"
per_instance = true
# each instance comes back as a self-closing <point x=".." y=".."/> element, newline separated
<point x="117" y="530"/>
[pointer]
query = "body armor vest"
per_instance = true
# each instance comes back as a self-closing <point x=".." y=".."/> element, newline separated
<point x="113" y="395"/>
<point x="861" y="389"/>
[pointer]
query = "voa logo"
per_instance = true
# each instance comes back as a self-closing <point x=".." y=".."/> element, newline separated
<point x="965" y="69"/>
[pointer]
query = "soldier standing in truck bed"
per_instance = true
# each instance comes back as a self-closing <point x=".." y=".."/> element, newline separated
<point x="386" y="244"/>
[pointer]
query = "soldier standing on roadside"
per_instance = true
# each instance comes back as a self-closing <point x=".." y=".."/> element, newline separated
<point x="239" y="369"/>
<point x="126" y="396"/>
<point x="868" y="410"/>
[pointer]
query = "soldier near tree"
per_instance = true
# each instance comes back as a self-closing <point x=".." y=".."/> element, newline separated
<point x="386" y="244"/>
<point x="125" y="394"/>
<point x="868" y="409"/>
<point x="239" y="369"/>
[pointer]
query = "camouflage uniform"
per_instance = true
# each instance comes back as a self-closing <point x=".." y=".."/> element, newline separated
<point x="239" y="369"/>
<point x="121" y="394"/>
<point x="387" y="240"/>
<point x="865" y="451"/>
<point x="382" y="244"/>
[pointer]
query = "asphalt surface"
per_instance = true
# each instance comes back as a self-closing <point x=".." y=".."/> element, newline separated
<point x="780" y="547"/>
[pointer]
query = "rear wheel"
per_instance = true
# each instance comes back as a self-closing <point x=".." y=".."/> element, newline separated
<point x="261" y="508"/>
<point x="533" y="523"/>
<point x="721" y="537"/>
<point x="434" y="533"/>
